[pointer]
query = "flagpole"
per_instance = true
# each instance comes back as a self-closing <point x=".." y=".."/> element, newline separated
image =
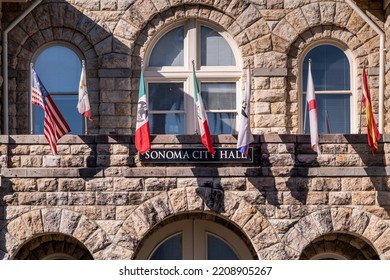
<point x="304" y="121"/>
<point x="361" y="107"/>
<point x="30" y="103"/>
<point x="195" y="111"/>
<point x="328" y="127"/>
<point x="85" y="120"/>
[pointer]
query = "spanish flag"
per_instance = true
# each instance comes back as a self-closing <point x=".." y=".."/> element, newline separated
<point x="372" y="129"/>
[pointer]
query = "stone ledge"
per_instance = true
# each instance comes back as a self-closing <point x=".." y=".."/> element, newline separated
<point x="52" y="172"/>
<point x="192" y="139"/>
<point x="343" y="171"/>
<point x="270" y="72"/>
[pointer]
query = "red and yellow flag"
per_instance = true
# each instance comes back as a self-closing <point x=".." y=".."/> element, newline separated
<point x="372" y="129"/>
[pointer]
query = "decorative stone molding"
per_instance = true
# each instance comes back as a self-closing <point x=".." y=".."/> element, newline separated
<point x="27" y="226"/>
<point x="337" y="219"/>
<point x="175" y="202"/>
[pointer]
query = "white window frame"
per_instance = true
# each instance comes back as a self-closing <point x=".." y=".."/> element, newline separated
<point x="217" y="74"/>
<point x="34" y="59"/>
<point x="354" y="120"/>
<point x="328" y="255"/>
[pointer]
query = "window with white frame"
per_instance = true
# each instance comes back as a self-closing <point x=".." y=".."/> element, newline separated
<point x="194" y="239"/>
<point x="331" y="73"/>
<point x="169" y="79"/>
<point x="58" y="66"/>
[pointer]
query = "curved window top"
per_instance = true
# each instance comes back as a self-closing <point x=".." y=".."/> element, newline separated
<point x="169" y="50"/>
<point x="59" y="69"/>
<point x="330" y="69"/>
<point x="215" y="50"/>
<point x="218" y="249"/>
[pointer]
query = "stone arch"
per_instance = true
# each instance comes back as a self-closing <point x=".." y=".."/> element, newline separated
<point x="143" y="19"/>
<point x="187" y="201"/>
<point x="53" y="246"/>
<point x="326" y="14"/>
<point x="52" y="221"/>
<point x="339" y="245"/>
<point x="360" y="51"/>
<point x="58" y="22"/>
<point x="364" y="225"/>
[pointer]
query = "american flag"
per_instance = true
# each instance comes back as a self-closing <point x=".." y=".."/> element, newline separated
<point x="55" y="125"/>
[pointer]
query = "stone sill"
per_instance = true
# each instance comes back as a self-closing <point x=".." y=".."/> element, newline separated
<point x="186" y="172"/>
<point x="189" y="139"/>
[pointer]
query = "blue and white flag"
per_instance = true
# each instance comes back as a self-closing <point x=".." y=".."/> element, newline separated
<point x="245" y="136"/>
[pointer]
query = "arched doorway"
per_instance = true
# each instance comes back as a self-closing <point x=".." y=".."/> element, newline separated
<point x="195" y="238"/>
<point x="53" y="247"/>
<point x="339" y="246"/>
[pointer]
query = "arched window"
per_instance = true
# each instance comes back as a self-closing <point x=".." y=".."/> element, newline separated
<point x="194" y="239"/>
<point x="169" y="79"/>
<point x="59" y="67"/>
<point x="331" y="73"/>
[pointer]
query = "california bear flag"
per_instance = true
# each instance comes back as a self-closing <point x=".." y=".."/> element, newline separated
<point x="245" y="136"/>
<point x="83" y="105"/>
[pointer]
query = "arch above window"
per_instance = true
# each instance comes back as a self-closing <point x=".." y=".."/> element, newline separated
<point x="58" y="66"/>
<point x="331" y="72"/>
<point x="194" y="239"/>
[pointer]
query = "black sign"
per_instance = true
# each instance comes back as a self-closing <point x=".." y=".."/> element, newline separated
<point x="193" y="155"/>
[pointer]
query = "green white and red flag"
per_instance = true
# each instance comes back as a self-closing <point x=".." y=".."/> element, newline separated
<point x="202" y="117"/>
<point x="142" y="133"/>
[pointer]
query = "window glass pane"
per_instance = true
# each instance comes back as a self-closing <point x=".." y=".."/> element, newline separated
<point x="170" y="249"/>
<point x="330" y="69"/>
<point x="166" y="123"/>
<point x="169" y="50"/>
<point x="217" y="249"/>
<point x="67" y="105"/>
<point x="59" y="69"/>
<point x="215" y="51"/>
<point x="166" y="96"/>
<point x="219" y="96"/>
<point x="333" y="113"/>
<point x="222" y="123"/>
<point x="166" y="108"/>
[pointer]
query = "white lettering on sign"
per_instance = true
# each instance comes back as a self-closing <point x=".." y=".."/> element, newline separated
<point x="194" y="155"/>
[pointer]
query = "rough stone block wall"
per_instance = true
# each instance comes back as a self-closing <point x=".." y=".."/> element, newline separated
<point x="279" y="201"/>
<point x="113" y="37"/>
<point x="289" y="203"/>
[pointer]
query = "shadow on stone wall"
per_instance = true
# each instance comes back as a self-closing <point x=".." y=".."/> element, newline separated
<point x="108" y="61"/>
<point x="372" y="170"/>
<point x="107" y="55"/>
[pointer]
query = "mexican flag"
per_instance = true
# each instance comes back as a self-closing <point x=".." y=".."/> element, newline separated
<point x="202" y="117"/>
<point x="142" y="133"/>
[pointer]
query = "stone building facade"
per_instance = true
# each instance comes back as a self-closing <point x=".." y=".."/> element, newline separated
<point x="97" y="199"/>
